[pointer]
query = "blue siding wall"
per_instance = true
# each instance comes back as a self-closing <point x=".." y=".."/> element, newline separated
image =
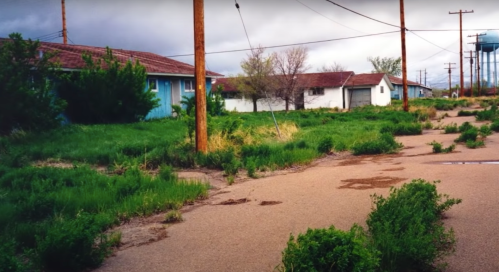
<point x="412" y="91"/>
<point x="164" y="93"/>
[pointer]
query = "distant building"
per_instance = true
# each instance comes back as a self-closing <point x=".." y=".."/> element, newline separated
<point x="414" y="89"/>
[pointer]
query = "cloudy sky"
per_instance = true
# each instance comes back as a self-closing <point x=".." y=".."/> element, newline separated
<point x="165" y="27"/>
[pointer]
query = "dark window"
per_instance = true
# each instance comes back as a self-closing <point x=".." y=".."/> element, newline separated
<point x="189" y="86"/>
<point x="230" y="95"/>
<point x="382" y="89"/>
<point x="316" y="91"/>
<point x="153" y="84"/>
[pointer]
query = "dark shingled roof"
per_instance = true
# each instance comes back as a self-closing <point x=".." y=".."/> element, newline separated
<point x="365" y="79"/>
<point x="69" y="57"/>
<point x="398" y="81"/>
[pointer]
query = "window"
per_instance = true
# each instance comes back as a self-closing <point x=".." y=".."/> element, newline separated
<point x="382" y="89"/>
<point x="189" y="86"/>
<point x="153" y="84"/>
<point x="316" y="91"/>
<point x="231" y="95"/>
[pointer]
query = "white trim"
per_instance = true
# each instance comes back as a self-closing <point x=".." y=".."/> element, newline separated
<point x="149" y="85"/>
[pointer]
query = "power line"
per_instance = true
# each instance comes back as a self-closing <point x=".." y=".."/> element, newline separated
<point x="244" y="26"/>
<point x="291" y="44"/>
<point x="432" y="43"/>
<point x="360" y="14"/>
<point x="327" y="17"/>
<point x="438" y="52"/>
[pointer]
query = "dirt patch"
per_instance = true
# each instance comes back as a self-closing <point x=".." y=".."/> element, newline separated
<point x="269" y="203"/>
<point x="370" y="183"/>
<point x="234" y="201"/>
<point x="394" y="169"/>
<point x="352" y="161"/>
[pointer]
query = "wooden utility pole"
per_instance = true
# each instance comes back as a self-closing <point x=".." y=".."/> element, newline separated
<point x="64" y="29"/>
<point x="460" y="12"/>
<point x="404" y="58"/>
<point x="421" y="76"/>
<point x="200" y="77"/>
<point x="471" y="71"/>
<point x="450" y="76"/>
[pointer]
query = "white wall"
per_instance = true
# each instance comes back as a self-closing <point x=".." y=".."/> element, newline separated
<point x="246" y="105"/>
<point x="333" y="97"/>
<point x="378" y="98"/>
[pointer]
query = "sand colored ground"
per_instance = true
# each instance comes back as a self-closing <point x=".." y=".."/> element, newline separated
<point x="251" y="237"/>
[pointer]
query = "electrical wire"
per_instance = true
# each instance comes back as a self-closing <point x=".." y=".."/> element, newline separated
<point x="291" y="44"/>
<point x="303" y="4"/>
<point x="433" y="43"/>
<point x="244" y="26"/>
<point x="438" y="52"/>
<point x="360" y="14"/>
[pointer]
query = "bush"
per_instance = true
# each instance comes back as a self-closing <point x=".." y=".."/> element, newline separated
<point x="451" y="128"/>
<point x="329" y="250"/>
<point x="406" y="227"/>
<point x="437" y="147"/>
<point x="70" y="245"/>
<point x="232" y="167"/>
<point x="9" y="261"/>
<point x="474" y="144"/>
<point x="26" y="98"/>
<point x="325" y="145"/>
<point x="468" y="135"/>
<point x="495" y="125"/>
<point x="106" y="92"/>
<point x="251" y="167"/>
<point x="401" y="129"/>
<point x="467" y="113"/>
<point x="485" y="131"/>
<point x="385" y="143"/>
<point x="465" y="126"/>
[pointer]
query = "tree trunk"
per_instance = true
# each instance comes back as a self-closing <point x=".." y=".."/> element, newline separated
<point x="287" y="103"/>
<point x="255" y="104"/>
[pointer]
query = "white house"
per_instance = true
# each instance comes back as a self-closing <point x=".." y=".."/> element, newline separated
<point x="342" y="90"/>
<point x="367" y="89"/>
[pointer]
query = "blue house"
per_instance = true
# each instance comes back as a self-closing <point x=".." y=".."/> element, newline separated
<point x="168" y="78"/>
<point x="414" y="89"/>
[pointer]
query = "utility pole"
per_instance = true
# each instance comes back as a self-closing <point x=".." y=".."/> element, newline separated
<point x="450" y="74"/>
<point x="64" y="29"/>
<point x="478" y="79"/>
<point x="404" y="58"/>
<point x="471" y="71"/>
<point x="461" y="45"/>
<point x="421" y="76"/>
<point x="200" y="77"/>
<point x="425" y="74"/>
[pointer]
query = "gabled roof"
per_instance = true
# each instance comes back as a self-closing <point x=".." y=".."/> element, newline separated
<point x="398" y="81"/>
<point x="69" y="57"/>
<point x="321" y="80"/>
<point x="368" y="80"/>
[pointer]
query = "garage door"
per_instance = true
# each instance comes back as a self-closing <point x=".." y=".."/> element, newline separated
<point x="360" y="97"/>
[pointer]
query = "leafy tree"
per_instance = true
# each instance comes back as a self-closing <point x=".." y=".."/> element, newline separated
<point x="288" y="64"/>
<point x="106" y="91"/>
<point x="390" y="66"/>
<point x="27" y="100"/>
<point x="335" y="67"/>
<point x="257" y="80"/>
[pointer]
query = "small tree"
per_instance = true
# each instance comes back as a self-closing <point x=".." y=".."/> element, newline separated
<point x="288" y="65"/>
<point x="105" y="91"/>
<point x="390" y="66"/>
<point x="335" y="67"/>
<point x="26" y="97"/>
<point x="257" y="79"/>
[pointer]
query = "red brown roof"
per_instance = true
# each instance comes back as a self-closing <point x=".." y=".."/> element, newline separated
<point x="323" y="80"/>
<point x="365" y="79"/>
<point x="69" y="57"/>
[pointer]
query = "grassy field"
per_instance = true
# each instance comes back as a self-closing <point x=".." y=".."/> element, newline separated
<point x="102" y="174"/>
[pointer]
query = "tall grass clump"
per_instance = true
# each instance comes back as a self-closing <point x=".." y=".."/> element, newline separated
<point x="407" y="229"/>
<point x="384" y="143"/>
<point x="401" y="129"/>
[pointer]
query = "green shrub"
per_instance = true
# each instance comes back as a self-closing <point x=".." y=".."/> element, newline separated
<point x="406" y="227"/>
<point x="427" y="125"/>
<point x="302" y="144"/>
<point x="470" y="134"/>
<point x="251" y="168"/>
<point x="438" y="148"/>
<point x="401" y="129"/>
<point x="325" y="145"/>
<point x="9" y="260"/>
<point x="232" y="167"/>
<point x="329" y="250"/>
<point x="485" y="131"/>
<point x="385" y="143"/>
<point x="495" y="125"/>
<point x="70" y="245"/>
<point x="106" y="91"/>
<point x="474" y="144"/>
<point x="465" y="126"/>
<point x="467" y="113"/>
<point x="451" y="128"/>
<point x="485" y="115"/>
<point x="340" y="146"/>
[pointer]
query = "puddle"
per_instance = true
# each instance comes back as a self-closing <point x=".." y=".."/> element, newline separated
<point x="465" y="162"/>
<point x="269" y="203"/>
<point x="234" y="201"/>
